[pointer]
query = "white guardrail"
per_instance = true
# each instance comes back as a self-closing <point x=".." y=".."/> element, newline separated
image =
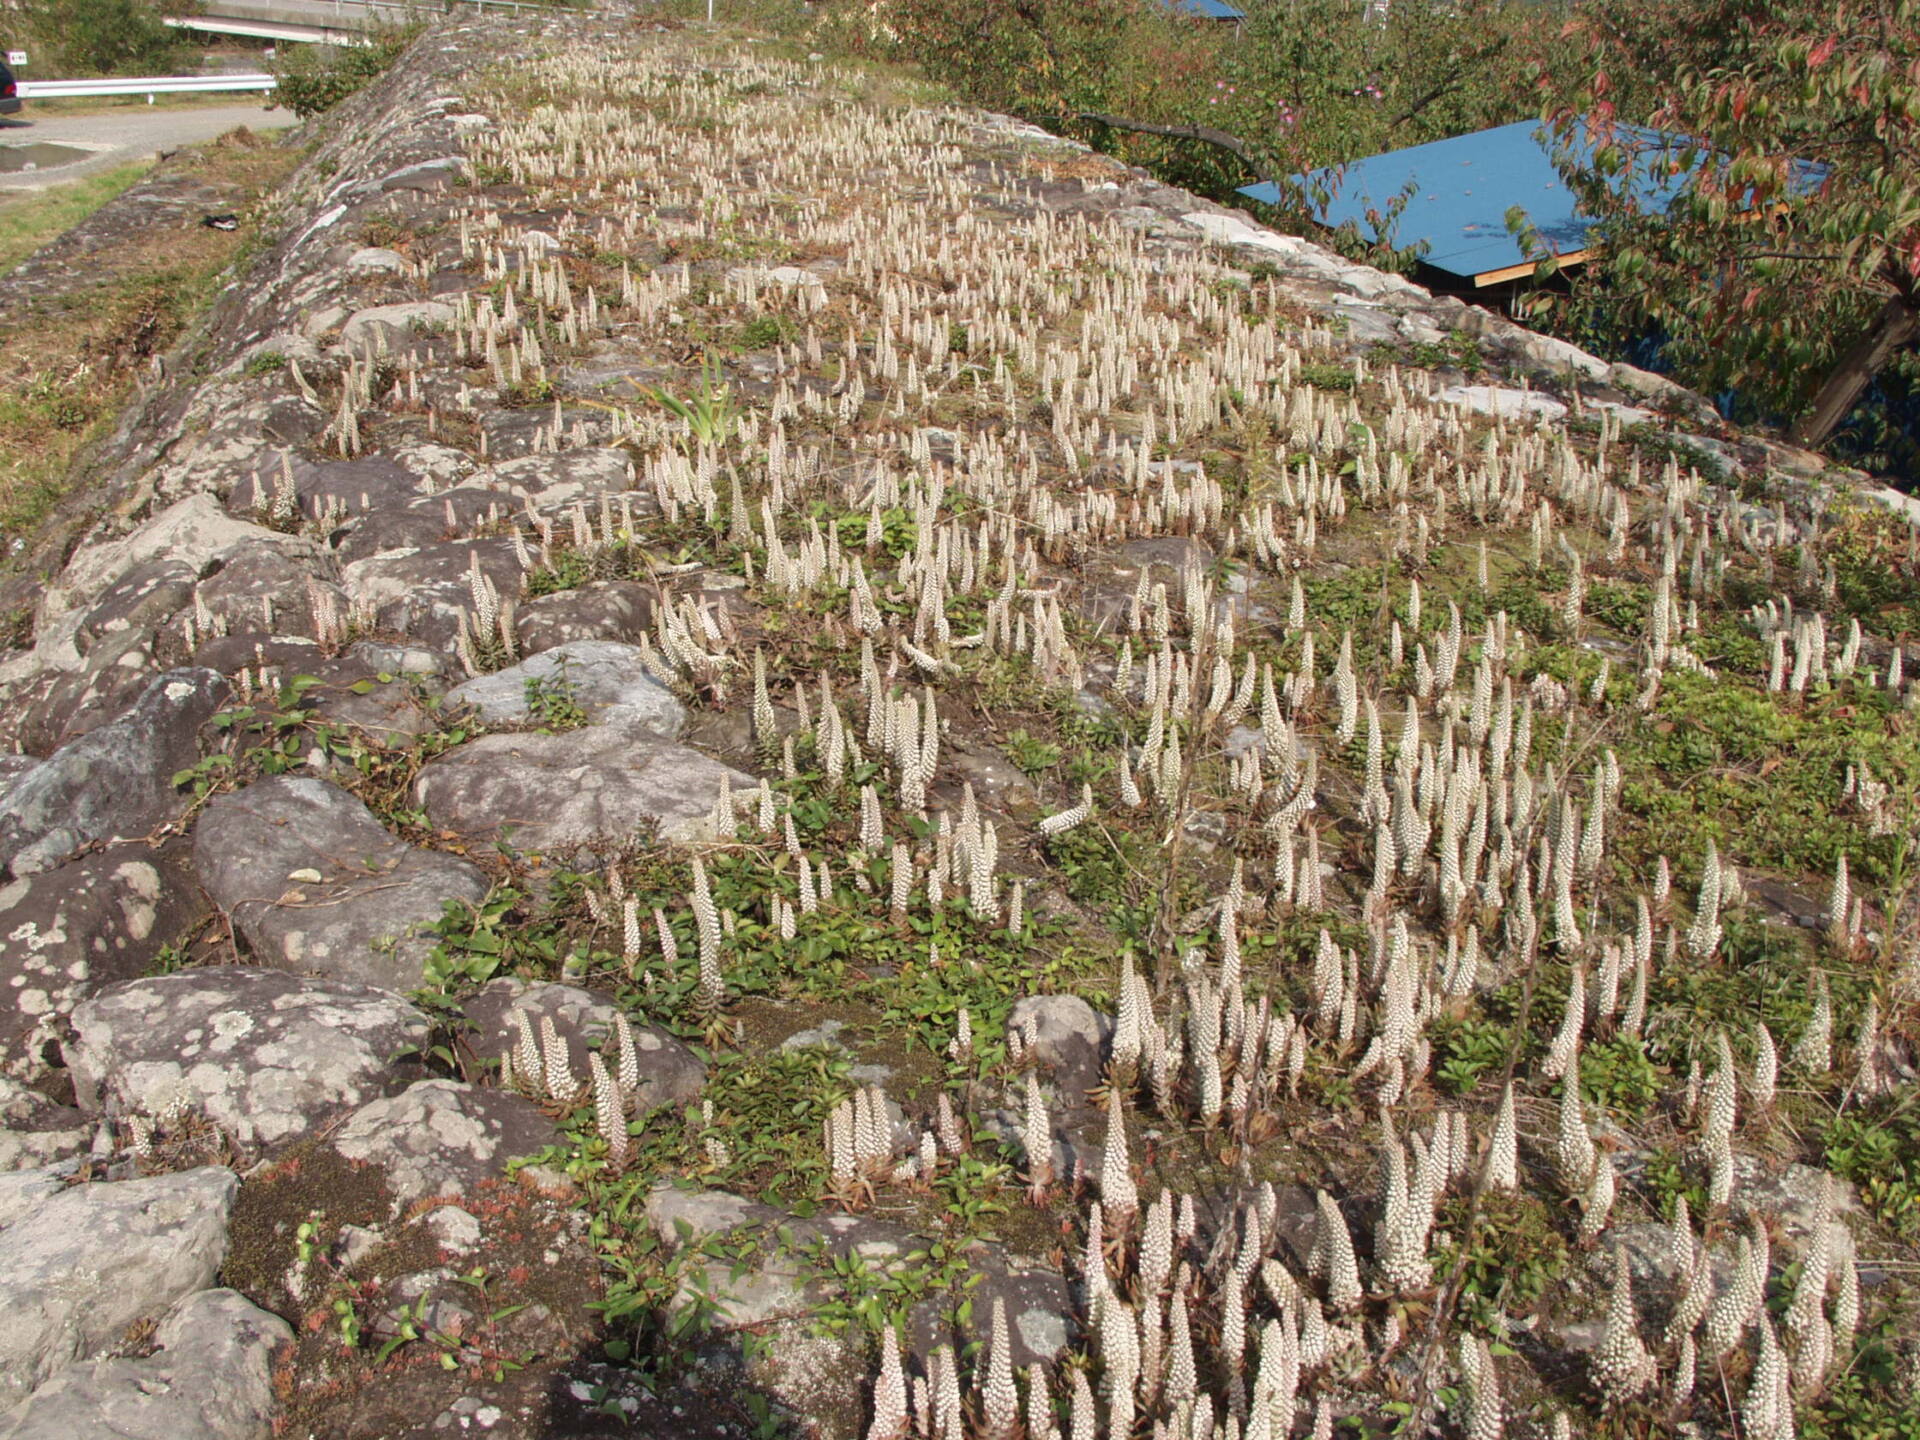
<point x="345" y="22"/>
<point x="148" y="86"/>
<point x="153" y="85"/>
<point x="445" y="5"/>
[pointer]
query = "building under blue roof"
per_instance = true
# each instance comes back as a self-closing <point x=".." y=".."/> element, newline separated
<point x="1463" y="189"/>
<point x="1205" y="9"/>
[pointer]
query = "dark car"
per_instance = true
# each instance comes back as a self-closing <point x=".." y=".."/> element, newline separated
<point x="9" y="92"/>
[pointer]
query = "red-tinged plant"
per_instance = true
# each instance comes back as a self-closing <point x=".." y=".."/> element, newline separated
<point x="1787" y="264"/>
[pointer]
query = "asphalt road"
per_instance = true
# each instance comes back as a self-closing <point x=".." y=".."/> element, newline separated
<point x="124" y="134"/>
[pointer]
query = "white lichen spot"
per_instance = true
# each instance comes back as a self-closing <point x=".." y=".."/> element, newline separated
<point x="229" y="1028"/>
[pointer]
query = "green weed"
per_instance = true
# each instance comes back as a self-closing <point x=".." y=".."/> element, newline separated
<point x="1457" y="351"/>
<point x="1877" y="1146"/>
<point x="763" y="332"/>
<point x="1031" y="755"/>
<point x="552" y="701"/>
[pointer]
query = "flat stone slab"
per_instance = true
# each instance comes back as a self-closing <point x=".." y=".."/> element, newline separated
<point x="580" y="787"/>
<point x="24" y="1191"/>
<point x="619" y="610"/>
<point x="264" y="587"/>
<point x="686" y="1217"/>
<point x="442" y="1138"/>
<point x="79" y="1269"/>
<point x="779" y="1284"/>
<point x="394" y="327"/>
<point x="1040" y="1314"/>
<point x="209" y="1378"/>
<point x="37" y="1131"/>
<point x="194" y="532"/>
<point x="1509" y="404"/>
<point x="356" y="486"/>
<point x="607" y="680"/>
<point x="420" y="589"/>
<point x="115" y="782"/>
<point x="317" y="885"/>
<point x="1066" y="1035"/>
<point x="143" y="598"/>
<point x="68" y="932"/>
<point x="263" y="1054"/>
<point x="573" y="475"/>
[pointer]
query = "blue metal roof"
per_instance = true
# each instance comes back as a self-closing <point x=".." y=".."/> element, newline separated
<point x="1206" y="9"/>
<point x="1465" y="186"/>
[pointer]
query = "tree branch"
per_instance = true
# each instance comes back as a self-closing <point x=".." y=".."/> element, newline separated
<point x="1036" y="23"/>
<point x="1461" y="70"/>
<point x="1206" y="134"/>
<point x="1897" y="323"/>
<point x="1455" y="79"/>
<point x="1444" y="88"/>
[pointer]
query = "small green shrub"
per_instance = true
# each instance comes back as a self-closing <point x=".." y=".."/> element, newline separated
<point x="1617" y="1074"/>
<point x="1327" y="376"/>
<point x="523" y="394"/>
<point x="71" y="38"/>
<point x="763" y="332"/>
<point x="1870" y="1401"/>
<point x="553" y="701"/>
<point x="315" y="78"/>
<point x="1033" y="755"/>
<point x="1468" y="1050"/>
<point x="1624" y="607"/>
<point x="1458" y="351"/>
<point x="1667" y="1180"/>
<point x="1878" y="1148"/>
<point x="1509" y="1260"/>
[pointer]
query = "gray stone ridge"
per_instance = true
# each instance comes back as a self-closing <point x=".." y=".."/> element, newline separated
<point x="81" y="1267"/>
<point x="209" y="1378"/>
<point x="317" y="885"/>
<point x="264" y="1055"/>
<point x="396" y="608"/>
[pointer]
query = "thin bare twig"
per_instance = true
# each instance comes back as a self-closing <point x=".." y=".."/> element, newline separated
<point x="1206" y="134"/>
